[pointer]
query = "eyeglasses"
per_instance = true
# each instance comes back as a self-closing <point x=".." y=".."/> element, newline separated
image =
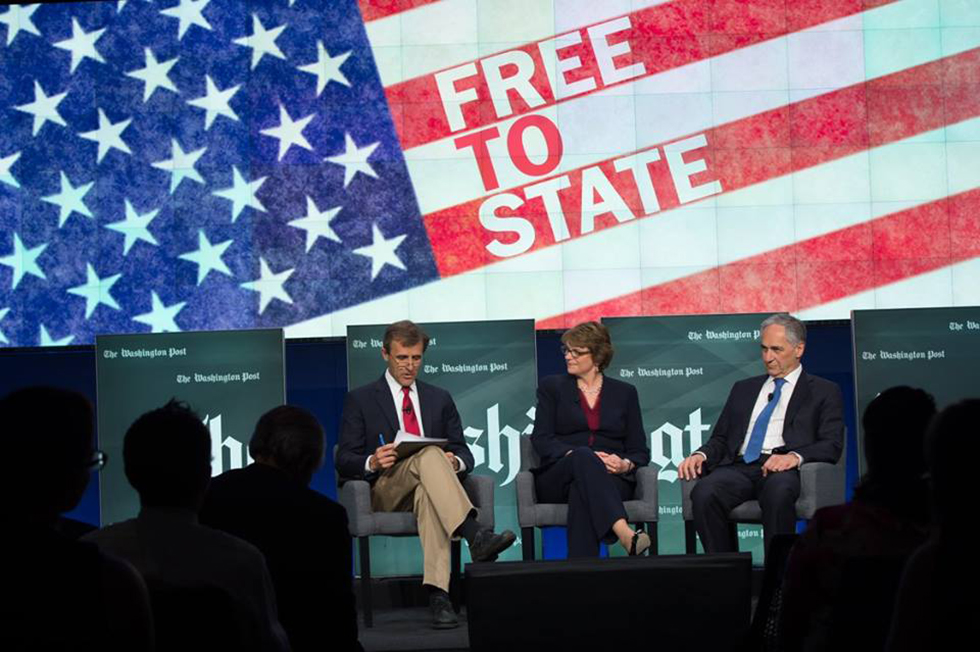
<point x="574" y="353"/>
<point x="408" y="361"/>
<point x="97" y="461"/>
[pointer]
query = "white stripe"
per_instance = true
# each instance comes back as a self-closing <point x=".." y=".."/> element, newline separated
<point x="549" y="282"/>
<point x="661" y="108"/>
<point x="449" y="33"/>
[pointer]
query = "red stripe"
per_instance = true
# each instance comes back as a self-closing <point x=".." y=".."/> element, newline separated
<point x="375" y="9"/>
<point x="662" y="37"/>
<point x="750" y="151"/>
<point x="813" y="272"/>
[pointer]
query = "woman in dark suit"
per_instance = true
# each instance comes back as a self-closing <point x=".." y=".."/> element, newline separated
<point x="589" y="435"/>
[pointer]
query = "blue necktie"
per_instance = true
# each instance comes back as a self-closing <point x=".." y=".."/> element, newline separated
<point x="754" y="449"/>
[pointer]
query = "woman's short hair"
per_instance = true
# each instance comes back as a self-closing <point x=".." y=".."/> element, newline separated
<point x="593" y="336"/>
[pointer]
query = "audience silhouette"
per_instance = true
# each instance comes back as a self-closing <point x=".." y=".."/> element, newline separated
<point x="206" y="585"/>
<point x="302" y="533"/>
<point x="843" y="572"/>
<point x="212" y="587"/>
<point x="935" y="600"/>
<point x="57" y="593"/>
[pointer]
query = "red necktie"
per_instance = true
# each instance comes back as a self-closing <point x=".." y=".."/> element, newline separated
<point x="408" y="414"/>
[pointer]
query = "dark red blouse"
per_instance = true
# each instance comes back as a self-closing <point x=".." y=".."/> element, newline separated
<point x="591" y="413"/>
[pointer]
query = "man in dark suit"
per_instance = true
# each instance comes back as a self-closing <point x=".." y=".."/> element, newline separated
<point x="770" y="425"/>
<point x="426" y="483"/>
<point x="302" y="533"/>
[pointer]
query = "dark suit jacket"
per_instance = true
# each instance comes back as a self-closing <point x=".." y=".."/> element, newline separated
<point x="560" y="425"/>
<point x="814" y="425"/>
<point x="369" y="411"/>
<point x="307" y="547"/>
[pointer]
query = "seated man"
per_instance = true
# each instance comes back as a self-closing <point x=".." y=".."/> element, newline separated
<point x="302" y="533"/>
<point x="167" y="459"/>
<point x="57" y="593"/>
<point x="769" y="426"/>
<point x="427" y="483"/>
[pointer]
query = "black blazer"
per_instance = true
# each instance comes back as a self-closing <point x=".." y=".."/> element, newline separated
<point x="369" y="411"/>
<point x="814" y="425"/>
<point x="560" y="425"/>
<point x="307" y="547"/>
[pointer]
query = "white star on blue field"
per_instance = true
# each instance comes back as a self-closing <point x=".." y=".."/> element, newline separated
<point x="195" y="165"/>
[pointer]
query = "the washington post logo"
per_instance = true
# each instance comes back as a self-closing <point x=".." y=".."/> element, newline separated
<point x="499" y="446"/>
<point x="227" y="453"/>
<point x="667" y="445"/>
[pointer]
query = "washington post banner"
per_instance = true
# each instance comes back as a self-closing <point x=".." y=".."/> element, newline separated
<point x="683" y="368"/>
<point x="218" y="164"/>
<point x="936" y="349"/>
<point x="229" y="378"/>
<point x="490" y="370"/>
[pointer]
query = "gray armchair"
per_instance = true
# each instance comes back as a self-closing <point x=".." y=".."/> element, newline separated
<point x="364" y="522"/>
<point x="643" y="510"/>
<point x="821" y="485"/>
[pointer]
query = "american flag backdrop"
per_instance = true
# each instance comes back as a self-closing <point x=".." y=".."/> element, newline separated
<point x="212" y="164"/>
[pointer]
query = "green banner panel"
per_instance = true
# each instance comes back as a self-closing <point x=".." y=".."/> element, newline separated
<point x="683" y="368"/>
<point x="937" y="349"/>
<point x="230" y="378"/>
<point x="489" y="368"/>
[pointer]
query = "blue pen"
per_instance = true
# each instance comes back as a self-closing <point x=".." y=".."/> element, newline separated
<point x="381" y="438"/>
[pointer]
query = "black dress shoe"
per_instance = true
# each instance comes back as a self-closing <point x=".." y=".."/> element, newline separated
<point x="487" y="545"/>
<point x="443" y="615"/>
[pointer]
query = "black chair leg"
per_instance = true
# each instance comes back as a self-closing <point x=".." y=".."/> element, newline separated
<point x="690" y="538"/>
<point x="527" y="543"/>
<point x="455" y="574"/>
<point x="364" y="546"/>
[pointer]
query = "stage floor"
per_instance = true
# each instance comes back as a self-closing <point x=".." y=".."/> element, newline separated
<point x="410" y="629"/>
<point x="404" y="628"/>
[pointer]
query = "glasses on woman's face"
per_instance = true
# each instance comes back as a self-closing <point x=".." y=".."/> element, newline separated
<point x="574" y="352"/>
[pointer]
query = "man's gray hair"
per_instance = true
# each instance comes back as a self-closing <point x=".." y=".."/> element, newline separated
<point x="795" y="330"/>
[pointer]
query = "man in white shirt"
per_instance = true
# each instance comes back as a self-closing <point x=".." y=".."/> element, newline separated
<point x="769" y="426"/>
<point x="426" y="483"/>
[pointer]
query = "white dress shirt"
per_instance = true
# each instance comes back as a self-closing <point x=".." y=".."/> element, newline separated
<point x="398" y="396"/>
<point x="774" y="432"/>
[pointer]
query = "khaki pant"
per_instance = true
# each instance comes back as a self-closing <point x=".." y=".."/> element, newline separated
<point x="426" y="484"/>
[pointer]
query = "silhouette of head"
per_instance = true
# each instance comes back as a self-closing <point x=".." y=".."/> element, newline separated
<point x="291" y="439"/>
<point x="895" y="424"/>
<point x="46" y="436"/>
<point x="951" y="447"/>
<point x="167" y="455"/>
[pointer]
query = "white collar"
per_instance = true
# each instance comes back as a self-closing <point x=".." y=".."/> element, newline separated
<point x="791" y="378"/>
<point x="396" y="387"/>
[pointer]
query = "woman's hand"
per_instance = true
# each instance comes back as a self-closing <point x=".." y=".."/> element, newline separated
<point x="614" y="463"/>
